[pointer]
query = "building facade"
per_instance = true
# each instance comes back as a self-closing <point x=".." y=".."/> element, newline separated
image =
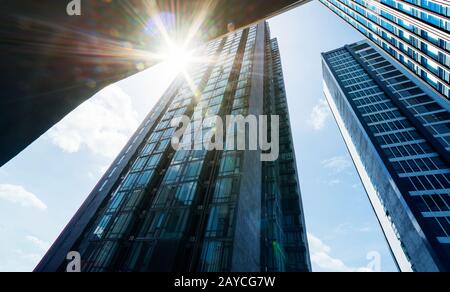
<point x="159" y="208"/>
<point x="414" y="32"/>
<point x="397" y="131"/>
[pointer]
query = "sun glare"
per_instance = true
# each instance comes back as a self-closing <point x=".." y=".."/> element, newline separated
<point x="178" y="58"/>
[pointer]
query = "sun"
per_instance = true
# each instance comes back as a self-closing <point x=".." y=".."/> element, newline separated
<point x="178" y="58"/>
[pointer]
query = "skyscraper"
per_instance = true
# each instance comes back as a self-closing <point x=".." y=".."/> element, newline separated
<point x="415" y="32"/>
<point x="397" y="131"/>
<point x="159" y="208"/>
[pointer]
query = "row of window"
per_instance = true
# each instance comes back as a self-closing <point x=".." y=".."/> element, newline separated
<point x="216" y="251"/>
<point x="415" y="161"/>
<point x="429" y="112"/>
<point x="393" y="45"/>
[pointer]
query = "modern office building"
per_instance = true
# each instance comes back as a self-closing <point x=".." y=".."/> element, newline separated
<point x="414" y="32"/>
<point x="398" y="133"/>
<point x="159" y="208"/>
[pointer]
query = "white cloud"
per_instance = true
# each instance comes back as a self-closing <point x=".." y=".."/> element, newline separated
<point x="334" y="182"/>
<point x="19" y="195"/>
<point x="102" y="124"/>
<point x="349" y="229"/>
<point x="42" y="245"/>
<point x="319" y="115"/>
<point x="323" y="261"/>
<point x="338" y="164"/>
<point x="344" y="228"/>
<point x="18" y="260"/>
<point x="365" y="229"/>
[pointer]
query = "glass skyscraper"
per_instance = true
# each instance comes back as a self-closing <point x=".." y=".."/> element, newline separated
<point x="398" y="133"/>
<point x="415" y="32"/>
<point x="162" y="209"/>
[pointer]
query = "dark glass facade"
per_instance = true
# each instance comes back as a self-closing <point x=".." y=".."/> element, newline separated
<point x="414" y="32"/>
<point x="284" y="242"/>
<point x="397" y="130"/>
<point x="165" y="209"/>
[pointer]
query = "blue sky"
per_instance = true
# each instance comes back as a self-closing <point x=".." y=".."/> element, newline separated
<point x="42" y="188"/>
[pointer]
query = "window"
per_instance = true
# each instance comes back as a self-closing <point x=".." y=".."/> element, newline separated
<point x="215" y="257"/>
<point x="103" y="185"/>
<point x="198" y="154"/>
<point x="224" y="190"/>
<point x="100" y="230"/>
<point x="112" y="172"/>
<point x="116" y="201"/>
<point x="168" y="133"/>
<point x="176" y="223"/>
<point x="148" y="149"/>
<point x="230" y="165"/>
<point x="153" y="161"/>
<point x="172" y="173"/>
<point x="180" y="156"/>
<point x="220" y="221"/>
<point x="155" y="137"/>
<point x="134" y="200"/>
<point x="216" y="100"/>
<point x="156" y="223"/>
<point x="163" y="196"/>
<point x="162" y="146"/>
<point x="141" y="253"/>
<point x="120" y="225"/>
<point x="129" y="181"/>
<point x="104" y="256"/>
<point x="193" y="170"/>
<point x="185" y="194"/>
<point x="139" y="164"/>
<point x="144" y="179"/>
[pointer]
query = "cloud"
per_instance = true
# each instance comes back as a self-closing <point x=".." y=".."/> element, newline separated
<point x="18" y="260"/>
<point x="19" y="195"/>
<point x="337" y="164"/>
<point x="42" y="245"/>
<point x="343" y="228"/>
<point x="102" y="124"/>
<point x="334" y="182"/>
<point x="322" y="260"/>
<point x="365" y="229"/>
<point x="319" y="115"/>
<point x="347" y="228"/>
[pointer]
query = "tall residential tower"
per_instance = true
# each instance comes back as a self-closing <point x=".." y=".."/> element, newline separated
<point x="159" y="208"/>
<point x="398" y="133"/>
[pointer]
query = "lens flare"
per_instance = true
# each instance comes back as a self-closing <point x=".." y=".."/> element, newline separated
<point x="178" y="58"/>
